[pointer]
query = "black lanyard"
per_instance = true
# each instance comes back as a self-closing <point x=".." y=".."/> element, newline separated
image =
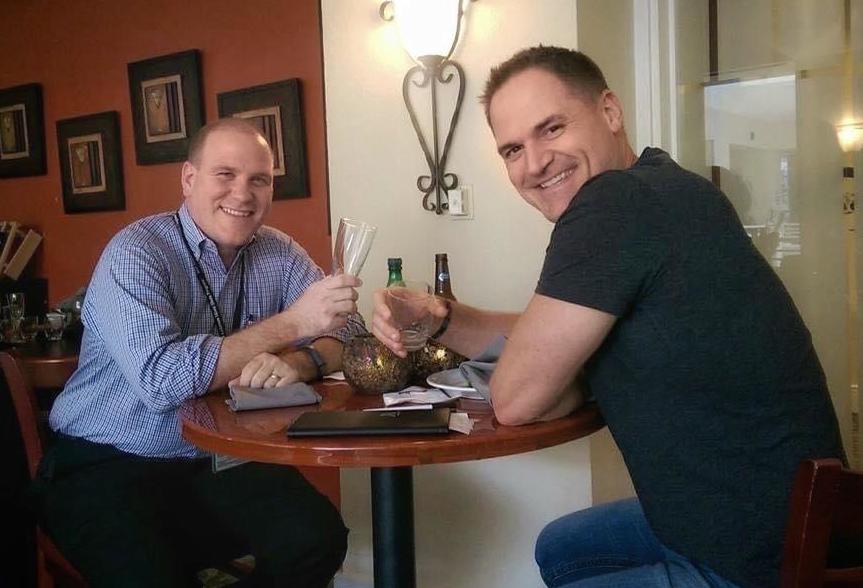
<point x="208" y="291"/>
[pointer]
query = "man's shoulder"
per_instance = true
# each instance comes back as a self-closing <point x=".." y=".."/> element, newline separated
<point x="148" y="234"/>
<point x="147" y="229"/>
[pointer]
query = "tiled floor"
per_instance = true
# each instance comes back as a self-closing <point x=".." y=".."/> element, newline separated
<point x="344" y="582"/>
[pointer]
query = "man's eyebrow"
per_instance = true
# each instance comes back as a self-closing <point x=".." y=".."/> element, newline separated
<point x="537" y="129"/>
<point x="547" y="121"/>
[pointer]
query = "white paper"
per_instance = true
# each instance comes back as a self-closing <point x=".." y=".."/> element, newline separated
<point x="335" y="376"/>
<point x="461" y="423"/>
<point x="419" y="395"/>
<point x="402" y="407"/>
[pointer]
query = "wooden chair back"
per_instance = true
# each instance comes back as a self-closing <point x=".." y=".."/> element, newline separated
<point x="824" y="533"/>
<point x="22" y="379"/>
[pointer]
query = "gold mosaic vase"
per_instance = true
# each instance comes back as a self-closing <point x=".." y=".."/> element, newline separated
<point x="432" y="358"/>
<point x="371" y="368"/>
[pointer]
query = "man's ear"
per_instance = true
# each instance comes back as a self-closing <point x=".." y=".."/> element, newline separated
<point x="187" y="178"/>
<point x="612" y="110"/>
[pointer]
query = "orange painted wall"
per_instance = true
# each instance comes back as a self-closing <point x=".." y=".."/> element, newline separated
<point x="79" y="51"/>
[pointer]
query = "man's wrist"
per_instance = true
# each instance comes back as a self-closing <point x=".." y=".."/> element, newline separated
<point x="445" y="323"/>
<point x="317" y="360"/>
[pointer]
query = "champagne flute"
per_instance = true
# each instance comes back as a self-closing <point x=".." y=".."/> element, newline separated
<point x="353" y="242"/>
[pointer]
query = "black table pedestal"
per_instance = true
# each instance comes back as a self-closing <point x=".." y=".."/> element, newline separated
<point x="393" y="527"/>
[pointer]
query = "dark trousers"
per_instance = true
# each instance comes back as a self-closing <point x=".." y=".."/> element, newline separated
<point x="124" y="520"/>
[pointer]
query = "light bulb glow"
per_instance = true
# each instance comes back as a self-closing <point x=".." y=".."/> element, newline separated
<point x="850" y="136"/>
<point x="427" y="27"/>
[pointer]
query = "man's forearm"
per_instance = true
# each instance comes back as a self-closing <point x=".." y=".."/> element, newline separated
<point x="270" y="336"/>
<point x="471" y="329"/>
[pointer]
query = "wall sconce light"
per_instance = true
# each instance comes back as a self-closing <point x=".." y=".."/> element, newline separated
<point x="429" y="31"/>
<point x="850" y="136"/>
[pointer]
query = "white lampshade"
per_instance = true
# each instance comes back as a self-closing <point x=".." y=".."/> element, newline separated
<point x="850" y="136"/>
<point x="427" y="27"/>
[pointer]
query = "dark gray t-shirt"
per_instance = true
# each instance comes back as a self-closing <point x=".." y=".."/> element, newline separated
<point x="708" y="380"/>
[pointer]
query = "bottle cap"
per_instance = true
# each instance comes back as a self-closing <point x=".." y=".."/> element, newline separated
<point x="394" y="262"/>
<point x="439" y="256"/>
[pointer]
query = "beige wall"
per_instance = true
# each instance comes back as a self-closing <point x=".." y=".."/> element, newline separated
<point x="476" y="522"/>
<point x="605" y="33"/>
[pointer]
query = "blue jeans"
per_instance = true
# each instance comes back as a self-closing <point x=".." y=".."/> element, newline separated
<point x="612" y="545"/>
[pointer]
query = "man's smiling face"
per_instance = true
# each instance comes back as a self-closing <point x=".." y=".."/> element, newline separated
<point x="552" y="139"/>
<point x="229" y="189"/>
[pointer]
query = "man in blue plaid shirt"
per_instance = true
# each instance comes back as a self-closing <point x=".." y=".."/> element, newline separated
<point x="180" y="304"/>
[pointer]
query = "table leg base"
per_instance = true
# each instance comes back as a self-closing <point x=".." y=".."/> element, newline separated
<point x="393" y="527"/>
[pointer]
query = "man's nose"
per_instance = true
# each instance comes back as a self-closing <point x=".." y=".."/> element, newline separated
<point x="538" y="159"/>
<point x="244" y="190"/>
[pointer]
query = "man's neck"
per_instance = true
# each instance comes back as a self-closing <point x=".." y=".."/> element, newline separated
<point x="228" y="254"/>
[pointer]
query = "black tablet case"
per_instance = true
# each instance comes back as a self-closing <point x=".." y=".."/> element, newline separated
<point x="358" y="422"/>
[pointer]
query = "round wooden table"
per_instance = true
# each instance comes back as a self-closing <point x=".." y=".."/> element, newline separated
<point x="260" y="436"/>
<point x="48" y="363"/>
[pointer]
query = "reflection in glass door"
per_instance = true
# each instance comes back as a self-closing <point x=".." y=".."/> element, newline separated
<point x="769" y="105"/>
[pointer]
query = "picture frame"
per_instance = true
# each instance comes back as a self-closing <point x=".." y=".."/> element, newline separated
<point x="276" y="109"/>
<point x="22" y="132"/>
<point x="167" y="105"/>
<point x="91" y="163"/>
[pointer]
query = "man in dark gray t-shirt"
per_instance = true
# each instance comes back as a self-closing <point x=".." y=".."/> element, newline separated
<point x="684" y="335"/>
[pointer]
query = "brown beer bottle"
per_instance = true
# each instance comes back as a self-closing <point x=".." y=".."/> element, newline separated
<point x="442" y="285"/>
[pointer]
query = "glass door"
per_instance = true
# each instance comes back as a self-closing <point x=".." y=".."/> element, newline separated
<point x="768" y="103"/>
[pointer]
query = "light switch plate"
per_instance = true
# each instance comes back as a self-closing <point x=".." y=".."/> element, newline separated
<point x="460" y="203"/>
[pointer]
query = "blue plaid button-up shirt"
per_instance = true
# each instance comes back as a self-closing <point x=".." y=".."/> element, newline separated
<point x="149" y="342"/>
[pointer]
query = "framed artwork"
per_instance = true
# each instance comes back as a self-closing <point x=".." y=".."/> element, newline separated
<point x="91" y="163"/>
<point x="167" y="105"/>
<point x="275" y="109"/>
<point x="22" y="132"/>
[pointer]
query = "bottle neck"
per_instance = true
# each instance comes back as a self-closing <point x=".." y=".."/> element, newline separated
<point x="442" y="284"/>
<point x="395" y="278"/>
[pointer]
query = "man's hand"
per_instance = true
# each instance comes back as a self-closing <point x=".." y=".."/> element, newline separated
<point x="266" y="370"/>
<point x="384" y="328"/>
<point x="325" y="305"/>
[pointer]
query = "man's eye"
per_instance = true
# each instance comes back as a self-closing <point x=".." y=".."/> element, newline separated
<point x="225" y="175"/>
<point x="553" y="130"/>
<point x="511" y="152"/>
<point x="261" y="182"/>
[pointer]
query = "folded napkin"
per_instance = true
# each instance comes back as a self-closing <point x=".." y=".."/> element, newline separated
<point x="247" y="398"/>
<point x="478" y="370"/>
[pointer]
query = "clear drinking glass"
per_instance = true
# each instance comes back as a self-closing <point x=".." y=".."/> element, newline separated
<point x="410" y="306"/>
<point x="55" y="322"/>
<point x="353" y="242"/>
<point x="15" y="301"/>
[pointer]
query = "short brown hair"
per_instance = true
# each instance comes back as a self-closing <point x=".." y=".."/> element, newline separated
<point x="574" y="68"/>
<point x="196" y="145"/>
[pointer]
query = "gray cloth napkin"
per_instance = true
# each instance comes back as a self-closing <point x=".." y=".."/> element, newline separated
<point x="296" y="394"/>
<point x="478" y="370"/>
